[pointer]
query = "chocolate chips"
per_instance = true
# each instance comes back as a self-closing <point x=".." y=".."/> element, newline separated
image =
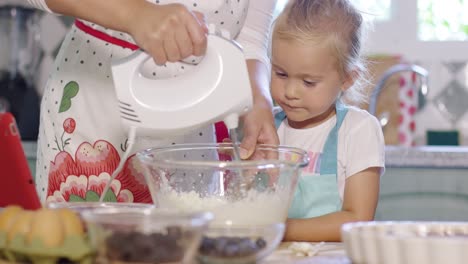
<point x="146" y="248"/>
<point x="231" y="247"/>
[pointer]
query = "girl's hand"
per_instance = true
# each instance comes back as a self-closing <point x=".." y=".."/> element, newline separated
<point x="168" y="32"/>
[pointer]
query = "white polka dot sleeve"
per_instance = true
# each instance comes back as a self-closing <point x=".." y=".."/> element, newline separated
<point x="254" y="36"/>
<point x="40" y="4"/>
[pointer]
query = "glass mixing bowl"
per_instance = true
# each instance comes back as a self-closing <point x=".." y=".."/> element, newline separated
<point x="85" y="206"/>
<point x="248" y="198"/>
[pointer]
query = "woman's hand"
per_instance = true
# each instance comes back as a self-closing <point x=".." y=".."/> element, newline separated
<point x="168" y="32"/>
<point x="259" y="128"/>
<point x="259" y="123"/>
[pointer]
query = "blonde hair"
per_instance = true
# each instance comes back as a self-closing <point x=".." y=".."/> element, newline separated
<point x="335" y="21"/>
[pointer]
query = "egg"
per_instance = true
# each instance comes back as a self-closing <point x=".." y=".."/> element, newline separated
<point x="71" y="222"/>
<point x="47" y="227"/>
<point x="21" y="225"/>
<point x="7" y="216"/>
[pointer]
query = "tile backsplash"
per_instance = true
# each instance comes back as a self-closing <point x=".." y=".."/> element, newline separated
<point x="445" y="109"/>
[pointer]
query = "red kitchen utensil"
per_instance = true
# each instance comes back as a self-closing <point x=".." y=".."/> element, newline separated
<point x="16" y="182"/>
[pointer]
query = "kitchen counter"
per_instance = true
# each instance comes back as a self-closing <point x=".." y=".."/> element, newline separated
<point x="330" y="253"/>
<point x="427" y="156"/>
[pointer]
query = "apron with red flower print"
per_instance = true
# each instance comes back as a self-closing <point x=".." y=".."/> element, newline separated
<point x="80" y="139"/>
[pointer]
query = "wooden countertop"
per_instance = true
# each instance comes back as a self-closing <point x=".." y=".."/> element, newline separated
<point x="330" y="253"/>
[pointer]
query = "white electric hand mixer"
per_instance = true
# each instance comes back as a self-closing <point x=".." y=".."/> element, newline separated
<point x="216" y="89"/>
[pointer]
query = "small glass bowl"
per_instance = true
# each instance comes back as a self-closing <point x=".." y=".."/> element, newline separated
<point x="239" y="245"/>
<point x="131" y="235"/>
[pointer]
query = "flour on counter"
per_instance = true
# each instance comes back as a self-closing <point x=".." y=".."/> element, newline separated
<point x="305" y="249"/>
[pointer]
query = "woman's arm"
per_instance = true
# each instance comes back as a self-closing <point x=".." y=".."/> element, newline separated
<point x="167" y="32"/>
<point x="254" y="37"/>
<point x="258" y="124"/>
<point x="359" y="204"/>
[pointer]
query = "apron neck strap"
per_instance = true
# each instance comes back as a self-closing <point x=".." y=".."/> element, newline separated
<point x="329" y="161"/>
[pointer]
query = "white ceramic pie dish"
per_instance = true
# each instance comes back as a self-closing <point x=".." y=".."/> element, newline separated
<point x="406" y="242"/>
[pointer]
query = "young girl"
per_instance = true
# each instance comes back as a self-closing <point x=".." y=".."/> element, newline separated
<point x="81" y="139"/>
<point x="316" y="68"/>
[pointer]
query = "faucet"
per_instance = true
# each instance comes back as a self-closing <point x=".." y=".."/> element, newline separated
<point x="423" y="73"/>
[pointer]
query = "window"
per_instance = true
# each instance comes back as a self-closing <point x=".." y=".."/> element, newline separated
<point x="443" y="20"/>
<point x="376" y="10"/>
<point x="437" y="20"/>
<point x="434" y="20"/>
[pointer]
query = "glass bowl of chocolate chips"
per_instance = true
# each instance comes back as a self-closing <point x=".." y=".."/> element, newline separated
<point x="150" y="235"/>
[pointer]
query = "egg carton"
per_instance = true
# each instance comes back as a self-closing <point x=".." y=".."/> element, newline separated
<point x="406" y="242"/>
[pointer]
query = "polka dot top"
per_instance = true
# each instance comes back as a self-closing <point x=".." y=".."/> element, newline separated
<point x="247" y="21"/>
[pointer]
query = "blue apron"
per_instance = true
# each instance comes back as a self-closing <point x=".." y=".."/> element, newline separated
<point x="317" y="195"/>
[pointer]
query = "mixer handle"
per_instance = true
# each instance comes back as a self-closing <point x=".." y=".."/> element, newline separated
<point x="140" y="57"/>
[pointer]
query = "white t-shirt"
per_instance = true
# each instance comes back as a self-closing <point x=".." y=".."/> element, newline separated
<point x="360" y="143"/>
